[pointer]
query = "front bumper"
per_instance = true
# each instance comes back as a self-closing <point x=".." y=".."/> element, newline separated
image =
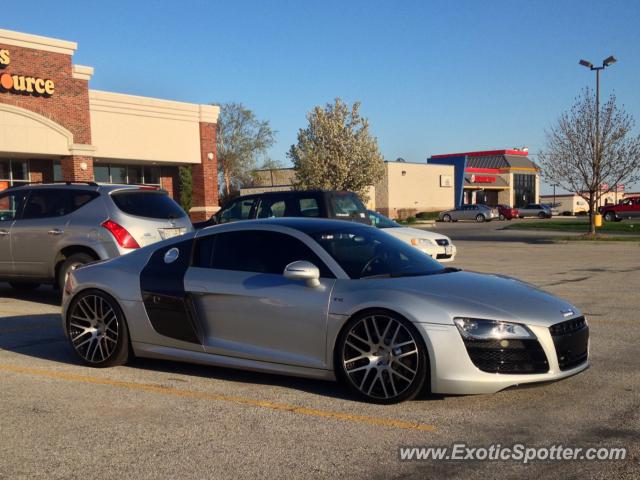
<point x="453" y="372"/>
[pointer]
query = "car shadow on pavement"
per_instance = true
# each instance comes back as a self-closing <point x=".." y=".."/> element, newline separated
<point x="44" y="295"/>
<point x="40" y="336"/>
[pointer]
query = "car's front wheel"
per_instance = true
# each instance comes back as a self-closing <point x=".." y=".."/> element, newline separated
<point x="480" y="218"/>
<point x="502" y="217"/>
<point x="446" y="218"/>
<point x="381" y="357"/>
<point x="610" y="217"/>
<point x="97" y="329"/>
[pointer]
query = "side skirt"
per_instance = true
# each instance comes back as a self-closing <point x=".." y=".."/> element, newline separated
<point x="168" y="353"/>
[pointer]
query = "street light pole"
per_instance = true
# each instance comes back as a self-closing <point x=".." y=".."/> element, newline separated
<point x="596" y="141"/>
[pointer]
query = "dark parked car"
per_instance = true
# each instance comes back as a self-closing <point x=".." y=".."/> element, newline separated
<point x="506" y="212"/>
<point x="292" y="203"/>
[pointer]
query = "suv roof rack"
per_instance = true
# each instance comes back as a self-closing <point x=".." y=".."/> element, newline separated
<point x="91" y="184"/>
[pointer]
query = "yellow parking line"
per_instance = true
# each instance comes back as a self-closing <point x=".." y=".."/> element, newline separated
<point x="379" y="421"/>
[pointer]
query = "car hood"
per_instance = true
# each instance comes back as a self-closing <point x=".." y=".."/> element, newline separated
<point x="408" y="232"/>
<point x="488" y="296"/>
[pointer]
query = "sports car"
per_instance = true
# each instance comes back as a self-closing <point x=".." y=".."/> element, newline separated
<point x="324" y="299"/>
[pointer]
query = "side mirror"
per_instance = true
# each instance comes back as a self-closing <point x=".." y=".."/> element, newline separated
<point x="303" y="270"/>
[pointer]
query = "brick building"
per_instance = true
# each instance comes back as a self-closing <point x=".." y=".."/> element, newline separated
<point x="53" y="127"/>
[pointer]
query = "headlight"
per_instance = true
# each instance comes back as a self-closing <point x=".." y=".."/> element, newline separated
<point x="421" y="242"/>
<point x="472" y="328"/>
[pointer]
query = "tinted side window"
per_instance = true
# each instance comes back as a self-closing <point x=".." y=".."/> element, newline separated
<point x="347" y="205"/>
<point x="309" y="207"/>
<point x="79" y="198"/>
<point x="11" y="204"/>
<point x="238" y="210"/>
<point x="45" y="203"/>
<point x="270" y="208"/>
<point x="254" y="251"/>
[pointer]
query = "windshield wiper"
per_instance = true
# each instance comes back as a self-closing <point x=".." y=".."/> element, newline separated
<point x="446" y="270"/>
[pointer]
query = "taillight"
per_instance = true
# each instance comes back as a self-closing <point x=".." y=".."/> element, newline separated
<point x="124" y="238"/>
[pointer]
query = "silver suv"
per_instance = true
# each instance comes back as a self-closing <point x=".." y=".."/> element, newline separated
<point x="46" y="230"/>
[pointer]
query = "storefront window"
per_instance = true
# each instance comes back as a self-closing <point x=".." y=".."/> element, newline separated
<point x="134" y="174"/>
<point x="57" y="171"/>
<point x="524" y="186"/>
<point x="118" y="174"/>
<point x="13" y="172"/>
<point x="152" y="175"/>
<point x="101" y="173"/>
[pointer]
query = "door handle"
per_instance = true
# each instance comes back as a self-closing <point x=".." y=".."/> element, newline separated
<point x="55" y="231"/>
<point x="3" y="233"/>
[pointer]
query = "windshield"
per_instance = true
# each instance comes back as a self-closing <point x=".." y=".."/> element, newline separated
<point x="145" y="203"/>
<point x="380" y="221"/>
<point x="366" y="252"/>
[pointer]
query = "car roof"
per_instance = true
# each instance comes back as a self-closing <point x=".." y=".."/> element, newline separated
<point x="305" y="225"/>
<point x="110" y="187"/>
<point x="280" y="193"/>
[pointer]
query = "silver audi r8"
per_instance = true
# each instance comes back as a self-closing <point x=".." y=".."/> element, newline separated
<point x="324" y="299"/>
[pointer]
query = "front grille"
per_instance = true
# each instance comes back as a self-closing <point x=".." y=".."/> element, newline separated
<point x="571" y="340"/>
<point x="507" y="356"/>
<point x="443" y="242"/>
<point x="568" y="327"/>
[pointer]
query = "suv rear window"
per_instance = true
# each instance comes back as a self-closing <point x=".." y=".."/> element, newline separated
<point x="150" y="204"/>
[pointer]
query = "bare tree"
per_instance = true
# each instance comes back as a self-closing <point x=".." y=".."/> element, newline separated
<point x="336" y="151"/>
<point x="241" y="139"/>
<point x="592" y="155"/>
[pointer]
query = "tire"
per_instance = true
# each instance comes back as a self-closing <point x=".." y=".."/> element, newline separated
<point x="480" y="218"/>
<point x="609" y="217"/>
<point x="72" y="261"/>
<point x="24" y="286"/>
<point x="446" y="218"/>
<point x="542" y="215"/>
<point x="520" y="216"/>
<point x="502" y="217"/>
<point x="389" y="375"/>
<point x="97" y="329"/>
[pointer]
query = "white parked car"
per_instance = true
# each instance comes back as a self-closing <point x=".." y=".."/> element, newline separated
<point x="436" y="245"/>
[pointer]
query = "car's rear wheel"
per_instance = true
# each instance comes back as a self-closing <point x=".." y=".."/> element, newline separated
<point x="446" y="218"/>
<point x="24" y="286"/>
<point x="381" y="357"/>
<point x="542" y="215"/>
<point x="97" y="329"/>
<point x="70" y="263"/>
<point x="610" y="217"/>
<point x="480" y="218"/>
<point x="502" y="217"/>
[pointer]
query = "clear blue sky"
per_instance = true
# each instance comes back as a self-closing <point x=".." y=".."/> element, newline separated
<point x="433" y="77"/>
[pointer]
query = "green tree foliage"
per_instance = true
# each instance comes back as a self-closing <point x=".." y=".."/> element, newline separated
<point x="336" y="151"/>
<point x="186" y="188"/>
<point x="241" y="140"/>
<point x="589" y="154"/>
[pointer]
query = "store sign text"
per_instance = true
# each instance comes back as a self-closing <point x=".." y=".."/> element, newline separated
<point x="23" y="84"/>
<point x="482" y="179"/>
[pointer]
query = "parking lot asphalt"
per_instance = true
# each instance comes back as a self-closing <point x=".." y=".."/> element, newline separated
<point x="157" y="419"/>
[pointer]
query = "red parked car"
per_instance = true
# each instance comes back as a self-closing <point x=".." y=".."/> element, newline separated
<point x="628" y="208"/>
<point x="507" y="213"/>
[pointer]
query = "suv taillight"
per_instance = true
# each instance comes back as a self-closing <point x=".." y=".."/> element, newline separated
<point x="124" y="238"/>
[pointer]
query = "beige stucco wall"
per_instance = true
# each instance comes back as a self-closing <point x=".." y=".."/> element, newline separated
<point x="140" y="128"/>
<point x="417" y="189"/>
